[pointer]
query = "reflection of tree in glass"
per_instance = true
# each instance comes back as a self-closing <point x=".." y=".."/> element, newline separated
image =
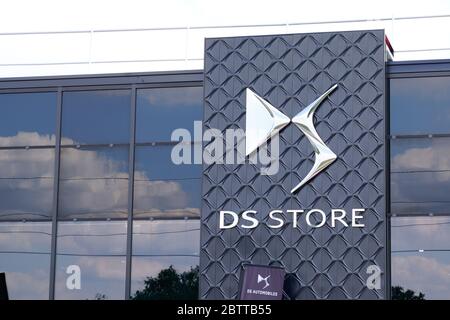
<point x="100" y="296"/>
<point x="170" y="285"/>
<point x="399" y="293"/>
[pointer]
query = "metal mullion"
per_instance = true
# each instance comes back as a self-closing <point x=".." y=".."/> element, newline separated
<point x="164" y="143"/>
<point x="29" y="90"/>
<point x="55" y="197"/>
<point x="418" y="74"/>
<point x="419" y="136"/>
<point x="160" y="218"/>
<point x="162" y="85"/>
<point x="26" y="147"/>
<point x="99" y="87"/>
<point x="130" y="195"/>
<point x="387" y="157"/>
<point x="158" y="78"/>
<point x="94" y="145"/>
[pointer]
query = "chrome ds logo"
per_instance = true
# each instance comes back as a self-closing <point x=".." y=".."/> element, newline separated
<point x="263" y="121"/>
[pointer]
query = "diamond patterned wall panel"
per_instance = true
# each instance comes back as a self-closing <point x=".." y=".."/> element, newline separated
<point x="291" y="71"/>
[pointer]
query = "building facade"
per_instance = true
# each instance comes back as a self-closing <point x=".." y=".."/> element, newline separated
<point x="92" y="203"/>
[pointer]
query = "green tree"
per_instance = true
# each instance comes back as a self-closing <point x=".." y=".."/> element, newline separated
<point x="399" y="293"/>
<point x="170" y="285"/>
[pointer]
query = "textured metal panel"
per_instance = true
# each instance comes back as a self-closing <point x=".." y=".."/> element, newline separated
<point x="290" y="71"/>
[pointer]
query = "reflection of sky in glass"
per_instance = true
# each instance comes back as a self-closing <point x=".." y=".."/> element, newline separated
<point x="420" y="177"/>
<point x="157" y="164"/>
<point x="160" y="111"/>
<point x="25" y="116"/>
<point x="420" y="105"/>
<point x="94" y="182"/>
<point x="99" y="249"/>
<point x="163" y="188"/>
<point x="427" y="271"/>
<point x="159" y="244"/>
<point x="26" y="183"/>
<point x="25" y="258"/>
<point x="101" y="116"/>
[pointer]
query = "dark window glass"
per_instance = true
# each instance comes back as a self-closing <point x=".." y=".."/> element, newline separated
<point x="26" y="183"/>
<point x="163" y="189"/>
<point x="93" y="182"/>
<point x="421" y="255"/>
<point x="420" y="176"/>
<point x="168" y="246"/>
<point x="420" y="105"/>
<point x="25" y="258"/>
<point x="101" y="116"/>
<point x="27" y="119"/>
<point x="160" y="111"/>
<point x="92" y="253"/>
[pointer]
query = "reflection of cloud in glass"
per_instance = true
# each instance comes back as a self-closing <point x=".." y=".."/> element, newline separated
<point x="96" y="184"/>
<point x="25" y="258"/>
<point x="413" y="233"/>
<point x="166" y="237"/>
<point x="32" y="285"/>
<point x="422" y="183"/>
<point x="98" y="247"/>
<point x="26" y="183"/>
<point x="422" y="273"/>
<point x="426" y="158"/>
<point x="104" y="275"/>
<point x="420" y="260"/>
<point x="28" y="139"/>
<point x="92" y="237"/>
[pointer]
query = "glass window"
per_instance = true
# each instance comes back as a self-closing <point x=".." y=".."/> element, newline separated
<point x="160" y="111"/>
<point x="421" y="257"/>
<point x="26" y="183"/>
<point x="101" y="116"/>
<point x="93" y="182"/>
<point x="91" y="260"/>
<point x="163" y="189"/>
<point x="420" y="176"/>
<point x="27" y="119"/>
<point x="25" y="258"/>
<point x="165" y="249"/>
<point x="420" y="105"/>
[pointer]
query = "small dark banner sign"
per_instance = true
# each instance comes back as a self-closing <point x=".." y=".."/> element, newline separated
<point x="261" y="282"/>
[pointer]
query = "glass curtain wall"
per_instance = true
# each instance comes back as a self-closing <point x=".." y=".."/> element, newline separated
<point x="90" y="198"/>
<point x="420" y="187"/>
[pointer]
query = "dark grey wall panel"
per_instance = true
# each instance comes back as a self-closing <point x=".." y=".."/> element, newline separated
<point x="290" y="71"/>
